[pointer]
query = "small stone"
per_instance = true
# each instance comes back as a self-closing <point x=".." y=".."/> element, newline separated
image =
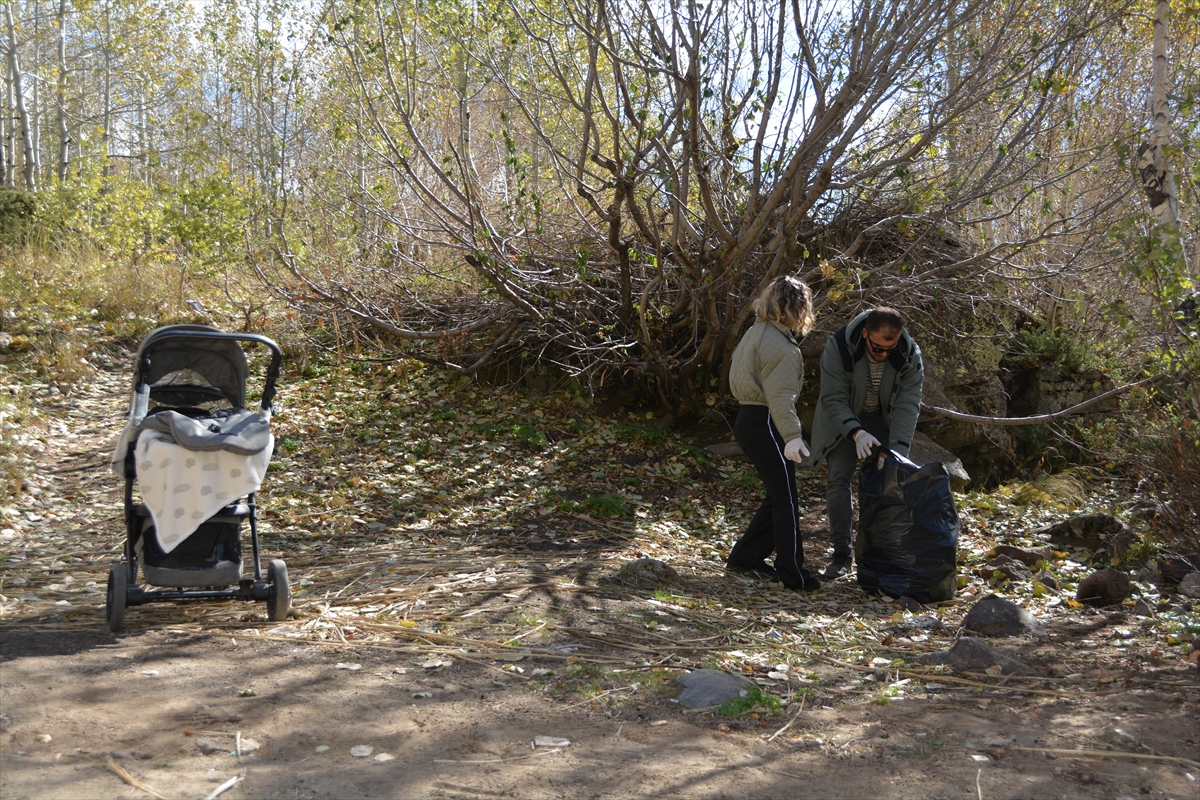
<point x="248" y="746"/>
<point x="1009" y="567"/>
<point x="1027" y="557"/>
<point x="649" y="571"/>
<point x="361" y="750"/>
<point x="382" y="757"/>
<point x="1190" y="585"/>
<point x="44" y="738"/>
<point x="1047" y="579"/>
<point x="322" y="748"/>
<point x="351" y="667"/>
<point x="208" y="747"/>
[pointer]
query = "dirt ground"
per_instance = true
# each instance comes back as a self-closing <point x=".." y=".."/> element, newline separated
<point x="537" y="638"/>
<point x="147" y="699"/>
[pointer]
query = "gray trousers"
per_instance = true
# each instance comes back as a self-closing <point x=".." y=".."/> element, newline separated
<point x="842" y="462"/>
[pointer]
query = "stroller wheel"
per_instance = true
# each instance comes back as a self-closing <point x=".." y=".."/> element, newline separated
<point x="114" y="608"/>
<point x="280" y="602"/>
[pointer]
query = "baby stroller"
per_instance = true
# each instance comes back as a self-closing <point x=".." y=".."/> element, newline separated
<point x="198" y="457"/>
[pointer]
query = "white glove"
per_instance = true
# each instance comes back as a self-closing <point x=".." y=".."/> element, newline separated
<point x="863" y="443"/>
<point x="795" y="450"/>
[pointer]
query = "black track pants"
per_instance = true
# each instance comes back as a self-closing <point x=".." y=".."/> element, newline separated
<point x="776" y="525"/>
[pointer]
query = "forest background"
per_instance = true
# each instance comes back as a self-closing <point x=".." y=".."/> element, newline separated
<point x="588" y="194"/>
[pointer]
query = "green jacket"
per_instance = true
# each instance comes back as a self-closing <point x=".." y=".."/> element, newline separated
<point x="844" y="381"/>
<point x="768" y="370"/>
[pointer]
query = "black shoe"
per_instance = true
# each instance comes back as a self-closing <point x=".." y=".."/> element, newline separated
<point x="837" y="568"/>
<point x="759" y="570"/>
<point x="808" y="582"/>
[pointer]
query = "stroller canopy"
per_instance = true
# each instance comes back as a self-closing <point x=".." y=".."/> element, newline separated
<point x="168" y="359"/>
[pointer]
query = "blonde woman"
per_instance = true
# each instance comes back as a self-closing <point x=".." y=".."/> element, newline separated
<point x="766" y="376"/>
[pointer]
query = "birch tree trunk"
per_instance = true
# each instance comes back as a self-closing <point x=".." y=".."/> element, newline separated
<point x="106" y="135"/>
<point x="18" y="94"/>
<point x="64" y="138"/>
<point x="1157" y="177"/>
<point x="6" y="133"/>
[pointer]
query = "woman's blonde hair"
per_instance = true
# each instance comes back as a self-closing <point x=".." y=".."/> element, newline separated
<point x="788" y="300"/>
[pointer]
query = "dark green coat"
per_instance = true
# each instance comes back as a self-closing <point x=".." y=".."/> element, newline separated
<point x="844" y="381"/>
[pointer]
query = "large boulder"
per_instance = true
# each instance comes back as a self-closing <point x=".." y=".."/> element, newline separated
<point x="926" y="451"/>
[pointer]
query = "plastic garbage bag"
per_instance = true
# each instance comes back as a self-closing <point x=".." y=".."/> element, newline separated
<point x="908" y="529"/>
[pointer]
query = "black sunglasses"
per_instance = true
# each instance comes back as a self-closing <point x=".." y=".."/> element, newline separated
<point x="879" y="349"/>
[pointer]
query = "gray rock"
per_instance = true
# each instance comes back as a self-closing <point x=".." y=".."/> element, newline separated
<point x="1190" y="585"/>
<point x="1047" y="579"/>
<point x="703" y="688"/>
<point x="972" y="655"/>
<point x="926" y="451"/>
<point x="1173" y="570"/>
<point x="649" y="572"/>
<point x="1027" y="557"/>
<point x="1010" y="568"/>
<point x="1107" y="587"/>
<point x="725" y="449"/>
<point x="209" y="747"/>
<point x="1090" y="531"/>
<point x="995" y="616"/>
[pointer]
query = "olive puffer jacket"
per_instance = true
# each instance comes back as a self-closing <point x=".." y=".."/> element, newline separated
<point x="768" y="370"/>
<point x="844" y="380"/>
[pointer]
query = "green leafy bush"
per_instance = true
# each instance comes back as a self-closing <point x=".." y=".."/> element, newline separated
<point x="17" y="208"/>
<point x="609" y="505"/>
<point x="754" y="698"/>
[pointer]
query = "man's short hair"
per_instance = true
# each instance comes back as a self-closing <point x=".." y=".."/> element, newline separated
<point x="884" y="317"/>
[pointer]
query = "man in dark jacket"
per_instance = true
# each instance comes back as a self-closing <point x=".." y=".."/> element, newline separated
<point x="871" y="379"/>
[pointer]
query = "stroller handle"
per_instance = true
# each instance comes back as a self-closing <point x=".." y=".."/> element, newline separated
<point x="268" y="394"/>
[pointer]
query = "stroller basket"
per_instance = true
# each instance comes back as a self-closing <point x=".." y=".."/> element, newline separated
<point x="211" y="556"/>
<point x="197" y="457"/>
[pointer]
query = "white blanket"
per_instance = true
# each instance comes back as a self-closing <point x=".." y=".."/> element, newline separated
<point x="182" y="488"/>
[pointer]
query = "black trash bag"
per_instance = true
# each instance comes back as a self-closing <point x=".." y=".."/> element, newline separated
<point x="908" y="529"/>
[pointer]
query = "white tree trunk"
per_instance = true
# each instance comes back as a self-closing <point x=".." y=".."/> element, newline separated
<point x="6" y="133"/>
<point x="18" y="93"/>
<point x="64" y="138"/>
<point x="1158" y="179"/>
